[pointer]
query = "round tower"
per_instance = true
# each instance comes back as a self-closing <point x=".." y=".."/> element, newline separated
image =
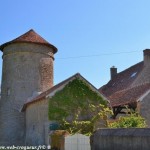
<point x="27" y="68"/>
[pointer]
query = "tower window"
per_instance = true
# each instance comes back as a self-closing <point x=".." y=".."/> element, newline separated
<point x="8" y="91"/>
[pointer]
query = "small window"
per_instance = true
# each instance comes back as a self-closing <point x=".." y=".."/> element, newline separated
<point x="8" y="91"/>
<point x="133" y="74"/>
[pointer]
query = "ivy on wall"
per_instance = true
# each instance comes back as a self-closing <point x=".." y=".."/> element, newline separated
<point x="73" y="99"/>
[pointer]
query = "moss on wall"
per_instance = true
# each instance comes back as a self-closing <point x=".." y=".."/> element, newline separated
<point x="73" y="99"/>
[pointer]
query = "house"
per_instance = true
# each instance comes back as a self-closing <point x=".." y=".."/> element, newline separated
<point x="36" y="110"/>
<point x="131" y="88"/>
<point x="27" y="85"/>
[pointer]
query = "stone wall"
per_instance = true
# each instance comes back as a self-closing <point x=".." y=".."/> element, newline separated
<point x="121" y="139"/>
<point x="37" y="123"/>
<point x="144" y="109"/>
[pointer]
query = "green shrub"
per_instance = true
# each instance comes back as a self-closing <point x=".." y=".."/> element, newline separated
<point x="133" y="120"/>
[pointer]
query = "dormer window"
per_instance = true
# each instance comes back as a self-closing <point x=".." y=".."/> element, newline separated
<point x="133" y="75"/>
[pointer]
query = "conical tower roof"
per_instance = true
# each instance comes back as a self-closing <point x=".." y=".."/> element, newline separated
<point x="30" y="37"/>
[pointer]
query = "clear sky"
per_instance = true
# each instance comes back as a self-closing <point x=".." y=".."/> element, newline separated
<point x="91" y="35"/>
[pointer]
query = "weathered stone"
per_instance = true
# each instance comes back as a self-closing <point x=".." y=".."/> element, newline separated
<point x="27" y="67"/>
<point x="36" y="119"/>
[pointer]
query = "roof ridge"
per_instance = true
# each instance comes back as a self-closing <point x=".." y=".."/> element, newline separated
<point x="131" y="67"/>
<point x="59" y="85"/>
<point x="52" y="88"/>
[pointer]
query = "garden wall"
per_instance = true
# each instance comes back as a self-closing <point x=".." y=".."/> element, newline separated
<point x="121" y="139"/>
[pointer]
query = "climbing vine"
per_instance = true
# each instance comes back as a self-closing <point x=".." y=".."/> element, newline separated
<point x="72" y="100"/>
<point x="99" y="119"/>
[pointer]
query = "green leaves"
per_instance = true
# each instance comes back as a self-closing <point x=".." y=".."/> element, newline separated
<point x="76" y="126"/>
<point x="131" y="121"/>
<point x="99" y="114"/>
<point x="73" y="99"/>
<point x="77" y="101"/>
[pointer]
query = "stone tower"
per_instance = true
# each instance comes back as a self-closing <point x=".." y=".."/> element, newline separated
<point x="27" y="68"/>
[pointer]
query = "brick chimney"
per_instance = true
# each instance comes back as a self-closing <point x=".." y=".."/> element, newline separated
<point x="113" y="72"/>
<point x="146" y="53"/>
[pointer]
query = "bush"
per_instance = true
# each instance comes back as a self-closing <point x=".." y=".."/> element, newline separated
<point x="133" y="120"/>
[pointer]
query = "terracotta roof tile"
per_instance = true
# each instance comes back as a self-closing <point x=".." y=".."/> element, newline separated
<point x="30" y="37"/>
<point x="122" y="80"/>
<point x="129" y="95"/>
<point x="121" y="89"/>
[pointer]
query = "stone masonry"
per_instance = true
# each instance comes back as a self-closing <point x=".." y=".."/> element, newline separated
<point x="27" y="68"/>
<point x="36" y="118"/>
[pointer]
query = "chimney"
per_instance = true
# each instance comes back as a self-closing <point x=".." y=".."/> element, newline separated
<point x="113" y="72"/>
<point x="146" y="53"/>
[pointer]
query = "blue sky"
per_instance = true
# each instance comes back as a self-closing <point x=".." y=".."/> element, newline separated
<point x="106" y="32"/>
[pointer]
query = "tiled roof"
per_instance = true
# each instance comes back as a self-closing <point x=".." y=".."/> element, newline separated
<point x="122" y="88"/>
<point x="30" y="37"/>
<point x="43" y="95"/>
<point x="122" y="80"/>
<point x="129" y="95"/>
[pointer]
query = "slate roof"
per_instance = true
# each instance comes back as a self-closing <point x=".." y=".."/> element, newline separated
<point x="43" y="95"/>
<point x="30" y="37"/>
<point x="120" y="89"/>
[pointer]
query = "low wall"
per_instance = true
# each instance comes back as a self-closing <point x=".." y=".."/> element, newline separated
<point x="121" y="139"/>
